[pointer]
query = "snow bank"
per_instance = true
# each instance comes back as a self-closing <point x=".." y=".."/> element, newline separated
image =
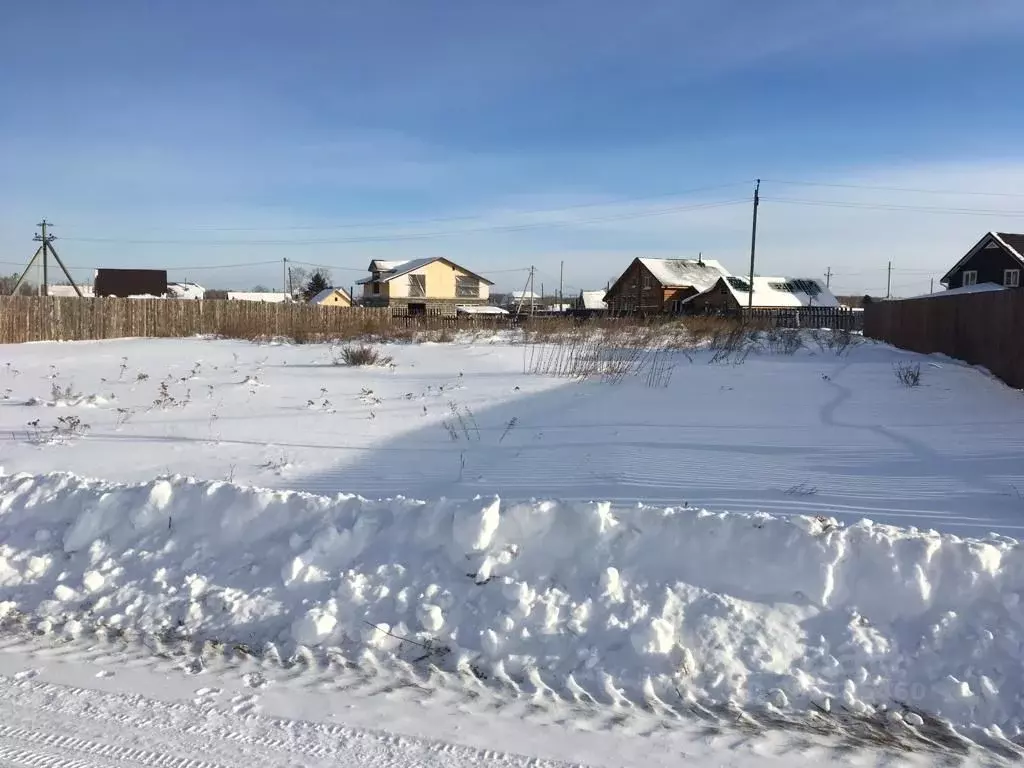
<point x="750" y="609"/>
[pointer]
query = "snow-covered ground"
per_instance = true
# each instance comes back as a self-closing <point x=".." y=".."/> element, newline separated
<point x="133" y="704"/>
<point x="810" y="433"/>
<point x="528" y="538"/>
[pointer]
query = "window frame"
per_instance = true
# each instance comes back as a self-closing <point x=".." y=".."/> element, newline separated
<point x="461" y="292"/>
<point x="968" y="277"/>
<point x="413" y="288"/>
<point x="1015" y="273"/>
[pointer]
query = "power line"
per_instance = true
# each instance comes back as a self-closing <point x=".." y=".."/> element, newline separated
<point x="419" y="235"/>
<point x="895" y="207"/>
<point x="439" y="219"/>
<point x="914" y="190"/>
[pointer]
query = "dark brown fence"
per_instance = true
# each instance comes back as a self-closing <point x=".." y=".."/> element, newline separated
<point x="34" y="318"/>
<point x="984" y="329"/>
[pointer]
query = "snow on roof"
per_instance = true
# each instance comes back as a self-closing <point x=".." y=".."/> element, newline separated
<point x="391" y="269"/>
<point x="270" y="298"/>
<point x="782" y="292"/>
<point x="517" y="295"/>
<point x="379" y="265"/>
<point x="480" y="309"/>
<point x="68" y="291"/>
<point x="700" y="274"/>
<point x="1013" y="243"/>
<point x="977" y="288"/>
<point x="326" y="293"/>
<point x="593" y="300"/>
<point x="186" y="290"/>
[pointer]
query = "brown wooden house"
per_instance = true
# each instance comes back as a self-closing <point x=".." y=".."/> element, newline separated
<point x="657" y="286"/>
<point x="997" y="258"/>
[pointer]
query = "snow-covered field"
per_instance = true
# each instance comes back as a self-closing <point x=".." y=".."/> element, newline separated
<point x="811" y="433"/>
<point x="533" y="537"/>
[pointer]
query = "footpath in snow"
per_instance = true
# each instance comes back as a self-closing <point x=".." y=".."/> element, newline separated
<point x="589" y="600"/>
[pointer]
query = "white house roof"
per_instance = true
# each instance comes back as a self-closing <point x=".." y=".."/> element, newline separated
<point x="326" y="293"/>
<point x="701" y="274"/>
<point x="976" y="288"/>
<point x="517" y="295"/>
<point x="480" y="309"/>
<point x="391" y="269"/>
<point x="68" y="291"/>
<point x="380" y="265"/>
<point x="781" y="292"/>
<point x="270" y="298"/>
<point x="186" y="290"/>
<point x="593" y="300"/>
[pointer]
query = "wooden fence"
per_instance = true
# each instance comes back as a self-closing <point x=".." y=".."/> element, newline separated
<point x="984" y="329"/>
<point x="837" y="318"/>
<point x="35" y="318"/>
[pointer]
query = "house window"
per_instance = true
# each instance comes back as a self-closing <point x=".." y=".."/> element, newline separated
<point x="376" y="288"/>
<point x="970" y="277"/>
<point x="467" y="288"/>
<point x="417" y="286"/>
<point x="647" y="282"/>
<point x="1011" y="278"/>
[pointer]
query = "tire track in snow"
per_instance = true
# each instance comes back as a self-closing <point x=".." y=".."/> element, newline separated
<point x="45" y="724"/>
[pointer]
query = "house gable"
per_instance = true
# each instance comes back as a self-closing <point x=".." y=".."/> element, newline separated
<point x="654" y="285"/>
<point x="434" y="279"/>
<point x="988" y="259"/>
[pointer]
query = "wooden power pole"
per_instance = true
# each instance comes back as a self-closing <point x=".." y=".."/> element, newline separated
<point x="753" y="244"/>
<point x="888" y="282"/>
<point x="828" y="277"/>
<point x="44" y="251"/>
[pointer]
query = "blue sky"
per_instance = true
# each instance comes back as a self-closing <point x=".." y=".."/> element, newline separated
<point x="192" y="135"/>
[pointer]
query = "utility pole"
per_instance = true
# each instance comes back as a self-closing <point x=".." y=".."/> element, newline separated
<point x="45" y="249"/>
<point x="522" y="298"/>
<point x="753" y="244"/>
<point x="561" y="274"/>
<point x="533" y="289"/>
<point x="44" y="286"/>
<point x="888" y="282"/>
<point x="284" y="279"/>
<point x="931" y="285"/>
<point x="828" y="277"/>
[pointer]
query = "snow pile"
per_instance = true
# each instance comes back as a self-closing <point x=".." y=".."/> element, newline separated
<point x="750" y="609"/>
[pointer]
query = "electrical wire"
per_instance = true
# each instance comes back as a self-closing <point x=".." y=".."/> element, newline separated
<point x="882" y="188"/>
<point x="892" y="207"/>
<point x="419" y="235"/>
<point x="434" y="220"/>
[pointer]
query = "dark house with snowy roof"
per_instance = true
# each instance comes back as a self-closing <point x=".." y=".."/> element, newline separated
<point x="656" y="286"/>
<point x="997" y="258"/>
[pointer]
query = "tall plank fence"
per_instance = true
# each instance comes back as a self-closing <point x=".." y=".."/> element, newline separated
<point x="46" y="318"/>
<point x="984" y="329"/>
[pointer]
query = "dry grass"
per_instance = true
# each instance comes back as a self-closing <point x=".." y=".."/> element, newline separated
<point x="360" y="354"/>
<point x="908" y="374"/>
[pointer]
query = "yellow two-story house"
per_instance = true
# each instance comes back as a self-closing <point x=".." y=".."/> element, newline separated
<point x="421" y="285"/>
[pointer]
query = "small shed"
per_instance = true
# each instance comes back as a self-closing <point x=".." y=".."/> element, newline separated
<point x="332" y="297"/>
<point x="124" y="283"/>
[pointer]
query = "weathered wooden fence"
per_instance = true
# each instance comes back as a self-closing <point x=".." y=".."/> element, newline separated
<point x="35" y="318"/>
<point x="984" y="329"/>
<point x="837" y="318"/>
